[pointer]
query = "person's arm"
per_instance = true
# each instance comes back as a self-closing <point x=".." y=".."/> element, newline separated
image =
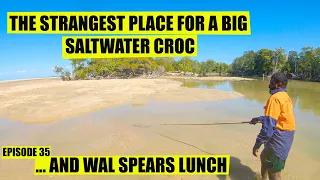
<point x="269" y="121"/>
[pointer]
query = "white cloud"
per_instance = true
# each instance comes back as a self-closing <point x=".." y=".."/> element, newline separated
<point x="23" y="71"/>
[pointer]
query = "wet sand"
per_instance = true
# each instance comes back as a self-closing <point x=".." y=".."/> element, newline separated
<point x="47" y="100"/>
<point x="133" y="130"/>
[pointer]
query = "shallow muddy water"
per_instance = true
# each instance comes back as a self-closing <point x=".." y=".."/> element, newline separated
<point x="135" y="130"/>
<point x="305" y="96"/>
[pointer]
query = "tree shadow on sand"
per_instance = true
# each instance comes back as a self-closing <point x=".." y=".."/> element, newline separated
<point x="237" y="171"/>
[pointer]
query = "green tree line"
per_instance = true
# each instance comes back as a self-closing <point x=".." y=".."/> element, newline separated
<point x="137" y="67"/>
<point x="304" y="65"/>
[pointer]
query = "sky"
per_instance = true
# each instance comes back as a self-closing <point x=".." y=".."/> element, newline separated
<point x="287" y="24"/>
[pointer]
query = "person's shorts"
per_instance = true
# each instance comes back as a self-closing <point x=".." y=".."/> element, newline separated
<point x="273" y="161"/>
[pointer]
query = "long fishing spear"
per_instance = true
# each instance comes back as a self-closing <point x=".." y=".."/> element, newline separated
<point x="244" y="122"/>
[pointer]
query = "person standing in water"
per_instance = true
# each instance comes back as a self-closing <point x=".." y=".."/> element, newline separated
<point x="278" y="129"/>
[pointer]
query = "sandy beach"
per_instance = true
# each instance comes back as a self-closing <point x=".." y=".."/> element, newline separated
<point x="47" y="100"/>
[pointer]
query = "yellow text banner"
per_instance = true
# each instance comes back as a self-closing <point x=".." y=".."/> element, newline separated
<point x="133" y="165"/>
<point x="75" y="47"/>
<point x="207" y="23"/>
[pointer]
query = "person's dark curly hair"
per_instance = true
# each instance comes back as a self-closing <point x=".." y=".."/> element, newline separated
<point x="281" y="78"/>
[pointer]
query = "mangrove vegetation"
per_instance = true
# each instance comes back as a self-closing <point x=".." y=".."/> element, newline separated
<point x="303" y="65"/>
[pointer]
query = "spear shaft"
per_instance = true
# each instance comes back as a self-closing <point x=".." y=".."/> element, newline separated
<point x="244" y="122"/>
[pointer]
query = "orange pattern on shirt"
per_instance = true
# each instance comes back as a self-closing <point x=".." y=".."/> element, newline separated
<point x="280" y="108"/>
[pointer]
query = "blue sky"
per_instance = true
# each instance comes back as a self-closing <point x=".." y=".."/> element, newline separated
<point x="287" y="24"/>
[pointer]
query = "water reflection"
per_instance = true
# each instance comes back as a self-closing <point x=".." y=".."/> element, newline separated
<point x="222" y="85"/>
<point x="305" y="95"/>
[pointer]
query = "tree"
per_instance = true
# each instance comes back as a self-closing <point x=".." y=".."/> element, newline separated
<point x="293" y="61"/>
<point x="278" y="59"/>
<point x="185" y="64"/>
<point x="65" y="75"/>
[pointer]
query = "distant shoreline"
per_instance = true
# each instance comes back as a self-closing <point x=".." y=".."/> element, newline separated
<point x="28" y="79"/>
<point x="212" y="78"/>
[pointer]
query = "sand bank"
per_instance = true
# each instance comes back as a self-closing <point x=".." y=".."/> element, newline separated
<point x="130" y="131"/>
<point x="46" y="100"/>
